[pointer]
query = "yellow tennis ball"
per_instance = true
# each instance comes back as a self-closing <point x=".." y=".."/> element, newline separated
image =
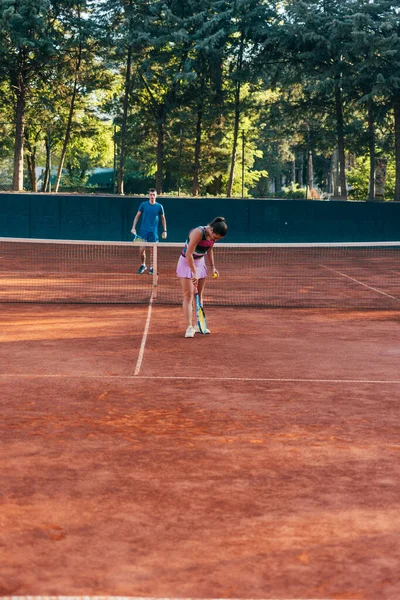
<point x="215" y="275"/>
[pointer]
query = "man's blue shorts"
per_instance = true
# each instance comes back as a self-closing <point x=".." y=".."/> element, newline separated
<point x="149" y="236"/>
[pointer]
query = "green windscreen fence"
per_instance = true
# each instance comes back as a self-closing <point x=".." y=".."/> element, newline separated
<point x="110" y="218"/>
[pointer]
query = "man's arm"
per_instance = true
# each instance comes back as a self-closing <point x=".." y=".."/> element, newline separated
<point x="164" y="222"/>
<point x="135" y="220"/>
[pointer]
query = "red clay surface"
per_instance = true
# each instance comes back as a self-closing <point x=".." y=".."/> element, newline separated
<point x="187" y="482"/>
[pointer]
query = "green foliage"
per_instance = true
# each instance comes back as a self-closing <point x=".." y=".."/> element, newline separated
<point x="91" y="146"/>
<point x="358" y="178"/>
<point x="294" y="191"/>
<point x="200" y="68"/>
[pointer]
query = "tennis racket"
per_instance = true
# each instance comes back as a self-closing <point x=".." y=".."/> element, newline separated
<point x="137" y="239"/>
<point x="200" y="314"/>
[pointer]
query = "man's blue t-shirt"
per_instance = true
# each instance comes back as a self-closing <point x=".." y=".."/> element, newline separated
<point x="150" y="217"/>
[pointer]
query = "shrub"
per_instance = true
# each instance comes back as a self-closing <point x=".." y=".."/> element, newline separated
<point x="358" y="180"/>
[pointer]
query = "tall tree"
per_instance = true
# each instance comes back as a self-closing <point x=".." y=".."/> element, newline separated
<point x="121" y="21"/>
<point x="367" y="19"/>
<point x="386" y="46"/>
<point x="76" y="64"/>
<point x="315" y="36"/>
<point x="26" y="45"/>
<point x="245" y="26"/>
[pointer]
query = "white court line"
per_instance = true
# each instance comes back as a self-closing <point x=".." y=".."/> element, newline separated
<point x="144" y="338"/>
<point x="140" y="598"/>
<point x="361" y="283"/>
<point x="197" y="378"/>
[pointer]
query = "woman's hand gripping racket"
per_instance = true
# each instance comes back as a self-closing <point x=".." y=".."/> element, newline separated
<point x="200" y="314"/>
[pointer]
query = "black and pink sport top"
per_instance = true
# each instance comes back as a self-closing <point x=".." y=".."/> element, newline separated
<point x="202" y="247"/>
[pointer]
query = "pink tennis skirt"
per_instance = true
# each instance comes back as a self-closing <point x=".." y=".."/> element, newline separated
<point x="183" y="270"/>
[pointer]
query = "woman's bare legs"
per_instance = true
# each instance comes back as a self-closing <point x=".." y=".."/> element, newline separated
<point x="188" y="298"/>
<point x="187" y="304"/>
<point x="201" y="285"/>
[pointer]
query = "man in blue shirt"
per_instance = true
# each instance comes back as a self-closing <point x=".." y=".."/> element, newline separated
<point x="150" y="212"/>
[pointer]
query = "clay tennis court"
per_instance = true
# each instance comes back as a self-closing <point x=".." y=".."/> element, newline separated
<point x="260" y="462"/>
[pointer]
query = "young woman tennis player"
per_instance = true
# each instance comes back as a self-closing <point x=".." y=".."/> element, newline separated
<point x="192" y="269"/>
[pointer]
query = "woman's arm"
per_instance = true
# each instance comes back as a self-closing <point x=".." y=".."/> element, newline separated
<point x="210" y="256"/>
<point x="194" y="238"/>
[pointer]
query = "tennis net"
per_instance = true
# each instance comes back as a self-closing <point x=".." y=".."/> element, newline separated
<point x="342" y="275"/>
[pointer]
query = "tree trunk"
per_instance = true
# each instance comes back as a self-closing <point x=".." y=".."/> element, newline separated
<point x="235" y="141"/>
<point x="70" y="117"/>
<point x="31" y="159"/>
<point x="47" y="172"/>
<point x="340" y="135"/>
<point x="331" y="174"/>
<point x="335" y="160"/>
<point x="180" y="162"/>
<point x="160" y="152"/>
<point x="197" y="149"/>
<point x="380" y="178"/>
<point x="301" y="171"/>
<point x="128" y="82"/>
<point x="237" y="120"/>
<point x="396" y="106"/>
<point x="371" y="139"/>
<point x="18" y="177"/>
<point x="294" y="171"/>
<point x="310" y="174"/>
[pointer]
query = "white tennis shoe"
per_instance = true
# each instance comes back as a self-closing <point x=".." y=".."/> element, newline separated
<point x="190" y="331"/>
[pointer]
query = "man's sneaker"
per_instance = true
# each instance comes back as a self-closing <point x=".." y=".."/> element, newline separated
<point x="151" y="271"/>
<point x="190" y="331"/>
<point x="142" y="269"/>
<point x="198" y="330"/>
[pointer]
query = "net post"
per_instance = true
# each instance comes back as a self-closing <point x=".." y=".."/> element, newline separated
<point x="155" y="270"/>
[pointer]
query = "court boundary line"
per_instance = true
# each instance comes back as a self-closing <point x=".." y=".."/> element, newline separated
<point x="360" y="282"/>
<point x="87" y="597"/>
<point x="144" y="337"/>
<point x="196" y="378"/>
